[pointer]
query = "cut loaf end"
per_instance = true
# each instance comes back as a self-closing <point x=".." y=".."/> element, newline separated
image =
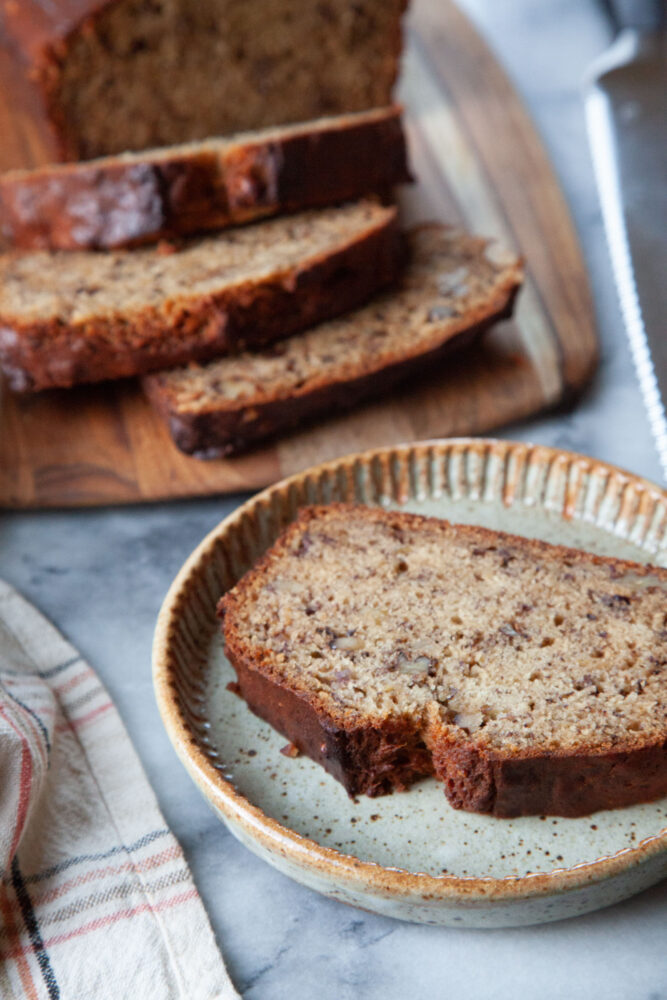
<point x="529" y="678"/>
<point x="112" y="75"/>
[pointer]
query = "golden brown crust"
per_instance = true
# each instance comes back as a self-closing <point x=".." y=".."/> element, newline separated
<point x="51" y="353"/>
<point x="367" y="760"/>
<point x="38" y="33"/>
<point x="36" y="25"/>
<point x="115" y="202"/>
<point x="550" y="784"/>
<point x="574" y="781"/>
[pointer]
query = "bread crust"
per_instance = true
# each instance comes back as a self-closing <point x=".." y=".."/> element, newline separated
<point x="38" y="35"/>
<point x="116" y="202"/>
<point x="224" y="432"/>
<point x="50" y="353"/>
<point x="570" y="782"/>
<point x="550" y="784"/>
<point x="374" y="761"/>
<point x="34" y="25"/>
<point x="367" y="760"/>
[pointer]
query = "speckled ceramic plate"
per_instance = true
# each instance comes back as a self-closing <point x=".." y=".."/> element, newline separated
<point x="408" y="855"/>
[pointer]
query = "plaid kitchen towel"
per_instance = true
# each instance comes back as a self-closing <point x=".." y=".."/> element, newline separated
<point x="96" y="899"/>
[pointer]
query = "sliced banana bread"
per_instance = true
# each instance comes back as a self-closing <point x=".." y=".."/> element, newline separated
<point x="103" y="76"/>
<point x="82" y="316"/>
<point x="454" y="287"/>
<point x="142" y="197"/>
<point x="529" y="678"/>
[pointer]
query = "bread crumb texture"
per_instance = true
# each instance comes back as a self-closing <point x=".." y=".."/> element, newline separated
<point x="166" y="71"/>
<point x="77" y="287"/>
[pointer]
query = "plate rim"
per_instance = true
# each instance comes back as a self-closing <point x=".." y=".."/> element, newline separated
<point x="305" y="852"/>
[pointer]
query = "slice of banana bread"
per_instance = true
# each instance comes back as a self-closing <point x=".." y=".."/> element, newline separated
<point x="83" y="316"/>
<point x="103" y="76"/>
<point x="142" y="197"/>
<point x="529" y="678"/>
<point x="454" y="287"/>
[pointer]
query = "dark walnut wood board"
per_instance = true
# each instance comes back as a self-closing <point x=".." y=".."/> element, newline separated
<point x="478" y="161"/>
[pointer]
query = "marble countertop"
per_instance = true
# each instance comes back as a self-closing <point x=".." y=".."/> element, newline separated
<point x="101" y="575"/>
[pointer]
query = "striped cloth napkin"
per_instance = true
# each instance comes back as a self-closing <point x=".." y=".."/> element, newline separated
<point x="96" y="899"/>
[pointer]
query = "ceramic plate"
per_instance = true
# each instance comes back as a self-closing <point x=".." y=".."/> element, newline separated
<point x="408" y="855"/>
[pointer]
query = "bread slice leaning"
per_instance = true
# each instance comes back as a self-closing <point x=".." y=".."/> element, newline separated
<point x="453" y="288"/>
<point x="160" y="193"/>
<point x="83" y="316"/>
<point x="530" y="678"/>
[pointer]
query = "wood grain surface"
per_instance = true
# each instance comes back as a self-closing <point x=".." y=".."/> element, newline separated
<point x="478" y="161"/>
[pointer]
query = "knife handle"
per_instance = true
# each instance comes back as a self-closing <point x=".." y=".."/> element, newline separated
<point x="637" y="14"/>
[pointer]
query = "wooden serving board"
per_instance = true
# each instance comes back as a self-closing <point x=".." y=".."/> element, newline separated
<point x="478" y="161"/>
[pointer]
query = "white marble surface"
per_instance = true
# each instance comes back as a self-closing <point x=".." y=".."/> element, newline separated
<point x="101" y="576"/>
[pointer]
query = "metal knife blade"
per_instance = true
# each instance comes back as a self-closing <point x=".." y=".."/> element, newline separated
<point x="626" y="111"/>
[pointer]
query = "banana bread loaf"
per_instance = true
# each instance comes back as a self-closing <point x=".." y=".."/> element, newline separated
<point x="454" y="287"/>
<point x="142" y="197"/>
<point x="103" y="76"/>
<point x="529" y="678"/>
<point x="83" y="316"/>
